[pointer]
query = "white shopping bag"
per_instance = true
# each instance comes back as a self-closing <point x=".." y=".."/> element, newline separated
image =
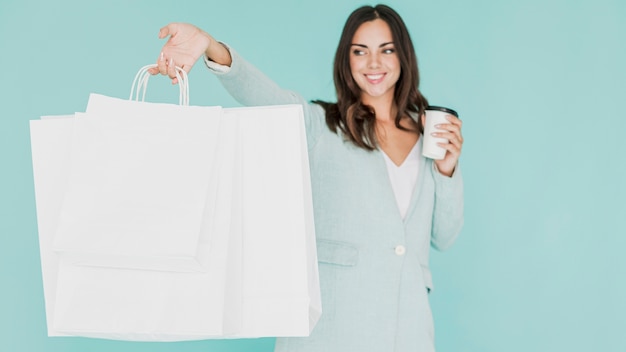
<point x="259" y="274"/>
<point x="280" y="280"/>
<point x="50" y="148"/>
<point x="138" y="183"/>
<point x="131" y="304"/>
<point x="151" y="305"/>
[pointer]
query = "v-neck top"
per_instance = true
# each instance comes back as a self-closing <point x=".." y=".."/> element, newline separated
<point x="403" y="177"/>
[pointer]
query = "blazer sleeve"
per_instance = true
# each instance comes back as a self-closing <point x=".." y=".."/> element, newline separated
<point x="251" y="87"/>
<point x="448" y="209"/>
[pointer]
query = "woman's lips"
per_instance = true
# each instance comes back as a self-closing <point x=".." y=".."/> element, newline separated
<point x="375" y="78"/>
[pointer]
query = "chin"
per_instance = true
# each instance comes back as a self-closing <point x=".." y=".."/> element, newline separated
<point x="375" y="94"/>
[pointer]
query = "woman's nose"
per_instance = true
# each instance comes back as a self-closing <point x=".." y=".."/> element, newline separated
<point x="373" y="61"/>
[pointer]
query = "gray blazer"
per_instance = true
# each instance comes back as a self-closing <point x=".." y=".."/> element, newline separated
<point x="373" y="265"/>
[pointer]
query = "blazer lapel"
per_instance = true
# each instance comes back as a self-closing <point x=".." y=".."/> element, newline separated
<point x="421" y="171"/>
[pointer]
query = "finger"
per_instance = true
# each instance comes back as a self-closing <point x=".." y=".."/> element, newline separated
<point x="171" y="68"/>
<point x="451" y="159"/>
<point x="451" y="133"/>
<point x="449" y="127"/>
<point x="453" y="138"/>
<point x="453" y="126"/>
<point x="451" y="148"/>
<point x="162" y="64"/>
<point x="185" y="68"/>
<point x="170" y="29"/>
<point x="155" y="70"/>
<point x="454" y="120"/>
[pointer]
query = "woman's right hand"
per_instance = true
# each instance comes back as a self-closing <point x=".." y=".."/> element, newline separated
<point x="184" y="47"/>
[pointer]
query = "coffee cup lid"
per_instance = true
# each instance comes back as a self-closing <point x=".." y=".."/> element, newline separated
<point x="441" y="108"/>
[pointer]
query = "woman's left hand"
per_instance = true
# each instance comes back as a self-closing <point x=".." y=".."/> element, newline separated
<point x="453" y="134"/>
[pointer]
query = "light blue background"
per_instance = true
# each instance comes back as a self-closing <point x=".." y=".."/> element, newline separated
<point x="540" y="265"/>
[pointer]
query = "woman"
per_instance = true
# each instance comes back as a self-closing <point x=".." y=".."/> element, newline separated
<point x="379" y="204"/>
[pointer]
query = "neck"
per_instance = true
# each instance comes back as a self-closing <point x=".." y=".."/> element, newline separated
<point x="384" y="107"/>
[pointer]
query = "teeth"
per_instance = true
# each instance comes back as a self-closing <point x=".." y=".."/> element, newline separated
<point x="374" y="77"/>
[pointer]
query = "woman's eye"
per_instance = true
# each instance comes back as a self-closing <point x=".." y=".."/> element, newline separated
<point x="389" y="51"/>
<point x="358" y="52"/>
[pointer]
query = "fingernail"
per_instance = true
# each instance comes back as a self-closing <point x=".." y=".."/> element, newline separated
<point x="162" y="56"/>
<point x="171" y="62"/>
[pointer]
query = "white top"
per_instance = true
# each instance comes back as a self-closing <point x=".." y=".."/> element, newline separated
<point x="404" y="177"/>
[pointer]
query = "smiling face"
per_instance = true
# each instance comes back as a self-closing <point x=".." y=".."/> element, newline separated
<point x="374" y="63"/>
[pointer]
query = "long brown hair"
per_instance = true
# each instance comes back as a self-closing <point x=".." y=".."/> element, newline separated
<point x="356" y="120"/>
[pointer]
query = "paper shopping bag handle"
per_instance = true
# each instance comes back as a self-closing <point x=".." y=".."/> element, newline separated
<point x="140" y="84"/>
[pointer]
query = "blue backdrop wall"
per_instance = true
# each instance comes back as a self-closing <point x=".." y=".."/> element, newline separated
<point x="540" y="85"/>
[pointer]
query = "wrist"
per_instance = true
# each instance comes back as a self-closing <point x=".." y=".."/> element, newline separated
<point x="217" y="52"/>
<point x="444" y="171"/>
<point x="208" y="46"/>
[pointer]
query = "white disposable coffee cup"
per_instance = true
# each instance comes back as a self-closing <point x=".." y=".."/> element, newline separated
<point x="435" y="115"/>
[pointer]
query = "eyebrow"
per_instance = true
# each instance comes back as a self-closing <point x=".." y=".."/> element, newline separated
<point x="365" y="46"/>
